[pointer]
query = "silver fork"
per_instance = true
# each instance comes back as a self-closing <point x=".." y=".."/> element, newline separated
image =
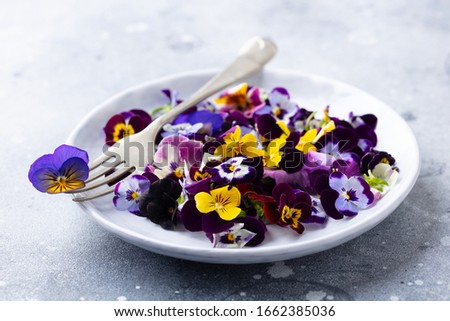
<point x="120" y="160"/>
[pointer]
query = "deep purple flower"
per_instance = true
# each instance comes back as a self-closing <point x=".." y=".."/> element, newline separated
<point x="294" y="207"/>
<point x="66" y="169"/>
<point x="128" y="193"/>
<point x="159" y="203"/>
<point x="353" y="193"/>
<point x="125" y="124"/>
<point x="373" y="158"/>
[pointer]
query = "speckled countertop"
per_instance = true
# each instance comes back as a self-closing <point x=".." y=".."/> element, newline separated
<point x="58" y="59"/>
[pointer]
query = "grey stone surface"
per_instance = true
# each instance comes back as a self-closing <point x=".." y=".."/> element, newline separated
<point x="58" y="59"/>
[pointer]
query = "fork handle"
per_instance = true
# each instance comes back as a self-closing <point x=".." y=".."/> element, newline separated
<point x="255" y="53"/>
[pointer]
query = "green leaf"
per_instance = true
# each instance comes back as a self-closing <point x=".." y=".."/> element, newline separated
<point x="375" y="182"/>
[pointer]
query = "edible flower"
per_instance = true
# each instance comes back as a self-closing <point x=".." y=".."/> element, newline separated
<point x="125" y="124"/>
<point x="352" y="193"/>
<point x="294" y="207"/>
<point x="128" y="192"/>
<point x="232" y="171"/>
<point x="235" y="145"/>
<point x="241" y="98"/>
<point x="64" y="170"/>
<point x="234" y="237"/>
<point x="375" y="157"/>
<point x="159" y="203"/>
<point x="224" y="200"/>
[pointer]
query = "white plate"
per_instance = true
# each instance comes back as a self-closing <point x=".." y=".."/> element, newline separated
<point x="309" y="91"/>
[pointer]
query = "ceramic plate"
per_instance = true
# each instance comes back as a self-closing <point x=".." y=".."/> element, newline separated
<point x="310" y="91"/>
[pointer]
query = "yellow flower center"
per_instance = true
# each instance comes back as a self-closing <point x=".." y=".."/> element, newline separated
<point x="232" y="168"/>
<point x="179" y="172"/>
<point x="61" y="184"/>
<point x="277" y="111"/>
<point x="230" y="237"/>
<point x="134" y="195"/>
<point x="384" y="160"/>
<point x="122" y="130"/>
<point x="199" y="176"/>
<point x="290" y="215"/>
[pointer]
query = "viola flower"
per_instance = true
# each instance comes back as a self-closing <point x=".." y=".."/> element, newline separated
<point x="64" y="170"/>
<point x="241" y="98"/>
<point x="294" y="207"/>
<point x="176" y="152"/>
<point x="224" y="200"/>
<point x="235" y="237"/>
<point x="279" y="105"/>
<point x="354" y="193"/>
<point x="235" y="145"/>
<point x="125" y="124"/>
<point x="159" y="203"/>
<point x="232" y="171"/>
<point x="128" y="193"/>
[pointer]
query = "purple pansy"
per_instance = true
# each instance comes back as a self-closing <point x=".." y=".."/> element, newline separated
<point x="176" y="152"/>
<point x="318" y="214"/>
<point x="128" y="193"/>
<point x="352" y="193"/>
<point x="232" y="171"/>
<point x="125" y="124"/>
<point x="185" y="129"/>
<point x="66" y="169"/>
<point x="375" y="157"/>
<point x="294" y="207"/>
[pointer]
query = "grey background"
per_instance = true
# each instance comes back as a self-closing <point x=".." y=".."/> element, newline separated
<point x="58" y="59"/>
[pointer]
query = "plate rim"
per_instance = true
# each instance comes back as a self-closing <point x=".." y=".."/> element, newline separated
<point x="214" y="255"/>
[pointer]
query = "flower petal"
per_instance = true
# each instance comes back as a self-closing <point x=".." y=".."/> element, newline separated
<point x="205" y="202"/>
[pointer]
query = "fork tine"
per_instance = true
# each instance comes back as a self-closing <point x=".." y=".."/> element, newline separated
<point x="98" y="161"/>
<point x="94" y="195"/>
<point x="104" y="181"/>
<point x="99" y="173"/>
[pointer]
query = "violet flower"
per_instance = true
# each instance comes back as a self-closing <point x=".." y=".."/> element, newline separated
<point x="128" y="192"/>
<point x="125" y="124"/>
<point x="350" y="194"/>
<point x="66" y="169"/>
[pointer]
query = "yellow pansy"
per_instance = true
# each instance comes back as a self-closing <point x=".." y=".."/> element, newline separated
<point x="235" y="97"/>
<point x="237" y="145"/>
<point x="223" y="200"/>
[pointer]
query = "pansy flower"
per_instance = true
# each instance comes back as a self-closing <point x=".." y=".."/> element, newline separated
<point x="241" y="98"/>
<point x="234" y="237"/>
<point x="185" y="129"/>
<point x="64" y="170"/>
<point x="235" y="144"/>
<point x="294" y="207"/>
<point x="159" y="203"/>
<point x="128" y="192"/>
<point x="125" y="124"/>
<point x="346" y="195"/>
<point x="175" y="153"/>
<point x="280" y="105"/>
<point x="224" y="200"/>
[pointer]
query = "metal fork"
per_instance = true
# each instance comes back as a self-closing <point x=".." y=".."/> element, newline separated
<point x="251" y="58"/>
